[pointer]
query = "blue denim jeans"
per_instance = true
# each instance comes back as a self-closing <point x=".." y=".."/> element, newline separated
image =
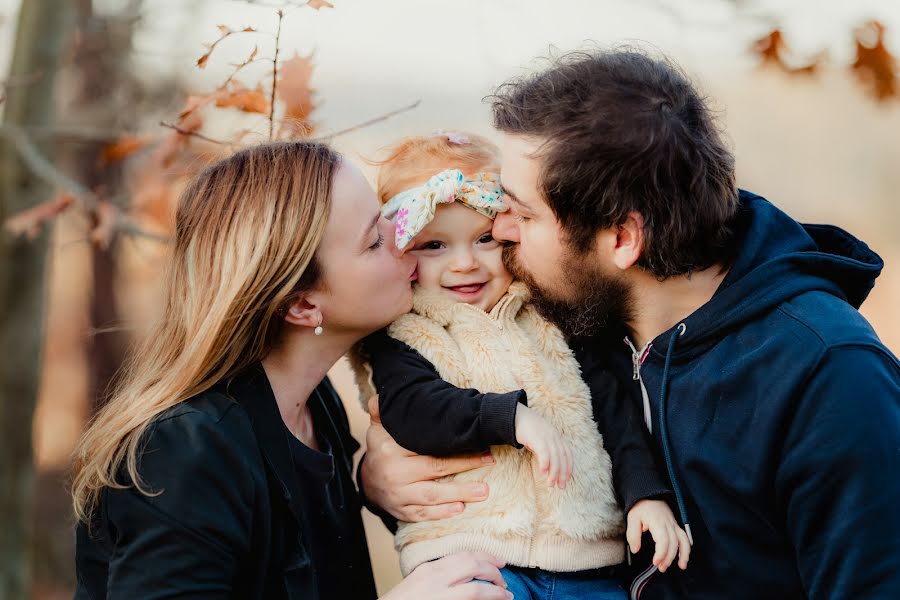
<point x="535" y="584"/>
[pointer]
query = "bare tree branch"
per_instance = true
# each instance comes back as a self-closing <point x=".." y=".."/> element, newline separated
<point x="199" y="136"/>
<point x="38" y="164"/>
<point x="370" y="122"/>
<point x="275" y="74"/>
<point x="239" y="66"/>
<point x="42" y="167"/>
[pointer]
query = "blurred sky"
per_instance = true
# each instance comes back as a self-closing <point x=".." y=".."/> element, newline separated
<point x="440" y="49"/>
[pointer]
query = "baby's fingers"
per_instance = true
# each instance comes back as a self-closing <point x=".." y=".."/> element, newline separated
<point x="661" y="539"/>
<point x="684" y="548"/>
<point x="672" y="550"/>
<point x="565" y="464"/>
<point x="633" y="535"/>
<point x="570" y="463"/>
<point x="553" y="476"/>
<point x="544" y="459"/>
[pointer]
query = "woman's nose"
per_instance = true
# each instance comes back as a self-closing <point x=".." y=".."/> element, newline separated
<point x="505" y="228"/>
<point x="390" y="240"/>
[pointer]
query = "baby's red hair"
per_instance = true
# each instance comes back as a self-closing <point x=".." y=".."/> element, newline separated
<point x="414" y="160"/>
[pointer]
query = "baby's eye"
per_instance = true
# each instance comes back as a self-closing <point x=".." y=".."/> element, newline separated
<point x="433" y="245"/>
<point x="486" y="239"/>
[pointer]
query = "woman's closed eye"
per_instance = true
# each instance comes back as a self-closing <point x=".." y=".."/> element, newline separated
<point x="378" y="243"/>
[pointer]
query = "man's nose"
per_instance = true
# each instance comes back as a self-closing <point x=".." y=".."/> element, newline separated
<point x="505" y="228"/>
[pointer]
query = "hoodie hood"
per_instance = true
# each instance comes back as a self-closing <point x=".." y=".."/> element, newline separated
<point x="775" y="259"/>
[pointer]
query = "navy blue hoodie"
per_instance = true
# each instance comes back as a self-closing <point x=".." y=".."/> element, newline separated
<point x="776" y="410"/>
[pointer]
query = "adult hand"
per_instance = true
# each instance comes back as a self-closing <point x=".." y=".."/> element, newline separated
<point x="450" y="578"/>
<point x="402" y="482"/>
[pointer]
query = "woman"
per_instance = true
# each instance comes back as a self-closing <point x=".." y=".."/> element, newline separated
<point x="221" y="467"/>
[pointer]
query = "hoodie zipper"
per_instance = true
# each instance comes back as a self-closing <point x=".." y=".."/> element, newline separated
<point x="637" y="359"/>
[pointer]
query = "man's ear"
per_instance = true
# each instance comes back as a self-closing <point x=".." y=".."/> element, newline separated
<point x="304" y="312"/>
<point x="629" y="241"/>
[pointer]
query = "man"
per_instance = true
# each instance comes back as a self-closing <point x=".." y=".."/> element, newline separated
<point x="774" y="405"/>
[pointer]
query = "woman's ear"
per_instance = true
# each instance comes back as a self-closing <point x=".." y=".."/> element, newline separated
<point x="303" y="312"/>
<point x="629" y="242"/>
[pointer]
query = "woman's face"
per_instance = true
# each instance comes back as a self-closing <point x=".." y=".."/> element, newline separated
<point x="365" y="283"/>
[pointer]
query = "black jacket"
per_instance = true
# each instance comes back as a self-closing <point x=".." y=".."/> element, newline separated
<point x="227" y="523"/>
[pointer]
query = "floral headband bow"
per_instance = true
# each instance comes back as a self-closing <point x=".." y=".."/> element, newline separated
<point x="413" y="209"/>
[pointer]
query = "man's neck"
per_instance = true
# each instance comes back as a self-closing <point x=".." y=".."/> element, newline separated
<point x="660" y="305"/>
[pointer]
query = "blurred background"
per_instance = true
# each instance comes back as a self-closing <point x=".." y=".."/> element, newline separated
<point x="107" y="105"/>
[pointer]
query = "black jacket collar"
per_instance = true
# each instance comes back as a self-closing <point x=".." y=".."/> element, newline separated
<point x="251" y="389"/>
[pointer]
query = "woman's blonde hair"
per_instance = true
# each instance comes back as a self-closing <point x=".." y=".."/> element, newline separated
<point x="414" y="160"/>
<point x="246" y="233"/>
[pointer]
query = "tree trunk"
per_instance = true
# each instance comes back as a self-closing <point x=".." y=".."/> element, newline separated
<point x="41" y="37"/>
<point x="97" y="91"/>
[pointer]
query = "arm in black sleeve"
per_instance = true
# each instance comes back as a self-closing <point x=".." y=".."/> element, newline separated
<point x="188" y="539"/>
<point x="635" y="472"/>
<point x="427" y="415"/>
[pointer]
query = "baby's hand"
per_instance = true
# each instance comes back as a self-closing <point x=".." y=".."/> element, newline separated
<point x="670" y="539"/>
<point x="552" y="451"/>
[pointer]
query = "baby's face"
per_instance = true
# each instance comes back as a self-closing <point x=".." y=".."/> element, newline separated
<point x="458" y="256"/>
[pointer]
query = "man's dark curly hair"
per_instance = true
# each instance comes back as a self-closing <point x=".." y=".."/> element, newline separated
<point x="620" y="131"/>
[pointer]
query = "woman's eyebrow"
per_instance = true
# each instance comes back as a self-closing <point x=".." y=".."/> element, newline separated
<point x="372" y="224"/>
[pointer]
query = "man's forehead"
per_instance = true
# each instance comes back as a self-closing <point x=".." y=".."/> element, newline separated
<point x="520" y="169"/>
<point x="519" y="147"/>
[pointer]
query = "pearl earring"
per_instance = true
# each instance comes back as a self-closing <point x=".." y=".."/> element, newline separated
<point x="318" y="330"/>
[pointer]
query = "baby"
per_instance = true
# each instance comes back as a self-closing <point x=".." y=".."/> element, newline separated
<point x="474" y="366"/>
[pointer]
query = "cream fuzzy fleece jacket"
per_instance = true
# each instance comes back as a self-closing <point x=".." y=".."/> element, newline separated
<point x="524" y="521"/>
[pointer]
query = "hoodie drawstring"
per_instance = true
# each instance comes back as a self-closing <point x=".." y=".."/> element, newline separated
<point x="637" y="586"/>
<point x="664" y="432"/>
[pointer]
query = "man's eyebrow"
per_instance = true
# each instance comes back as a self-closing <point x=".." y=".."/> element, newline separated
<point x="506" y="192"/>
<point x="511" y="196"/>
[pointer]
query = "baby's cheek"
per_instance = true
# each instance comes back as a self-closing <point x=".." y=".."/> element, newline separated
<point x="429" y="269"/>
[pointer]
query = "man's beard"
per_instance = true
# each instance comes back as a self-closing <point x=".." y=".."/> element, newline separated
<point x="594" y="301"/>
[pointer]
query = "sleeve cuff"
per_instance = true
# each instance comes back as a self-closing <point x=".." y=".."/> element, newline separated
<point x="498" y="418"/>
<point x="646" y="485"/>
